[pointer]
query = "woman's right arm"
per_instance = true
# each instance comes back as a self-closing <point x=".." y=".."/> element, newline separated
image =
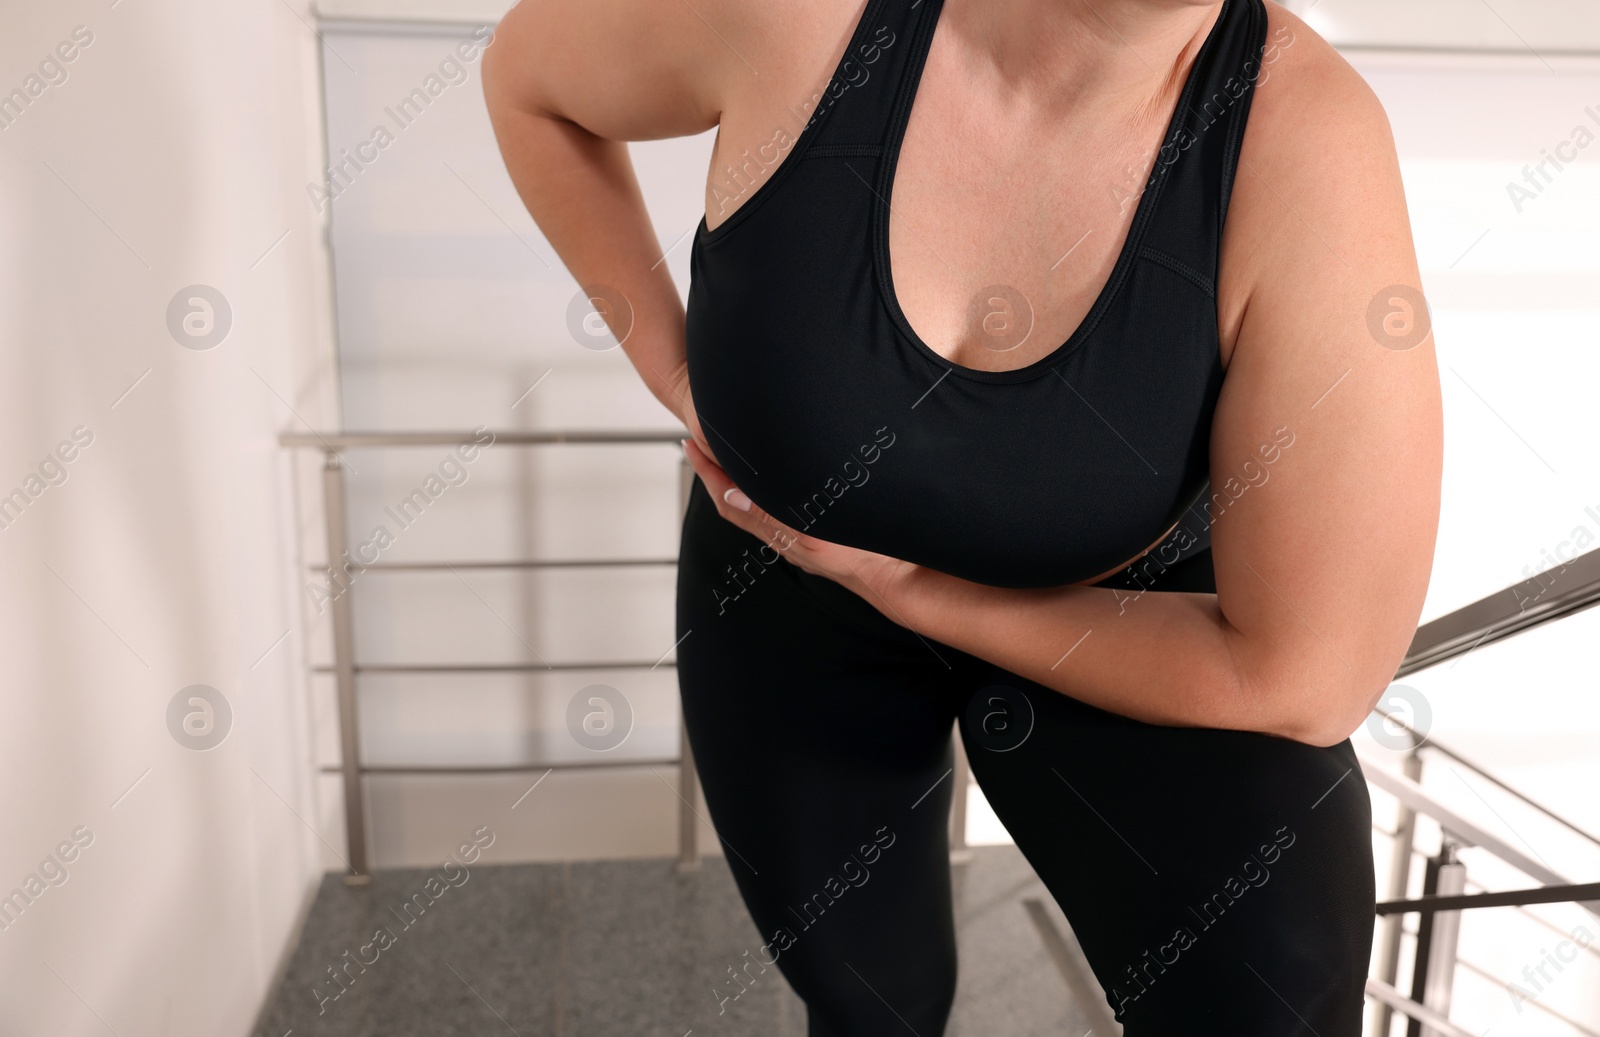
<point x="567" y="83"/>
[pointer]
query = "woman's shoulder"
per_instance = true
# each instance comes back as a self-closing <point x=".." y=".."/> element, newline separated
<point x="1318" y="185"/>
<point x="1308" y="96"/>
<point x="647" y="69"/>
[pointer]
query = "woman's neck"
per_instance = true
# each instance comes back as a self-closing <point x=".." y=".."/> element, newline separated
<point x="1064" y="53"/>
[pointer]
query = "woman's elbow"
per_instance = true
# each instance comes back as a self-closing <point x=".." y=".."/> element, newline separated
<point x="1323" y="714"/>
<point x="1320" y="732"/>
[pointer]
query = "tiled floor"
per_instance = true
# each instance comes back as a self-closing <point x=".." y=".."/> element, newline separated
<point x="618" y="949"/>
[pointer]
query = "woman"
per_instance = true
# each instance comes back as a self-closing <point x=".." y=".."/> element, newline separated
<point x="1057" y="369"/>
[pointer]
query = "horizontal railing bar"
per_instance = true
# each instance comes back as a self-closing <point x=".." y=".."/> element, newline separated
<point x="1504" y="898"/>
<point x="1417" y="798"/>
<point x="399" y="25"/>
<point x="499" y="667"/>
<point x="1545" y="922"/>
<point x="1388" y="995"/>
<point x="1487" y="776"/>
<point x="1571" y="587"/>
<point x="1537" y="1003"/>
<point x="553" y="563"/>
<point x="1426" y="742"/>
<point x="501" y="437"/>
<point x="1592" y="950"/>
<point x="509" y="768"/>
<point x="1412" y="50"/>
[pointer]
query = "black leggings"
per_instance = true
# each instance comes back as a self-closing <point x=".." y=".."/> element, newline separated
<point x="1220" y="882"/>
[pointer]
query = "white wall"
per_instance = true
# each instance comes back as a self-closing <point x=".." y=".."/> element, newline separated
<point x="1515" y="26"/>
<point x="174" y="152"/>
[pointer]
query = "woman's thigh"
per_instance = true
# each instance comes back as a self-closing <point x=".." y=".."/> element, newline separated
<point x="1218" y="881"/>
<point x="822" y="734"/>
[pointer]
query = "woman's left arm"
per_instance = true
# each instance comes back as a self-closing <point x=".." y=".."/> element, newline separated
<point x="1322" y="549"/>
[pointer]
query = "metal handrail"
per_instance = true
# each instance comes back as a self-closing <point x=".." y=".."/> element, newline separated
<point x="1415" y="798"/>
<point x="1392" y="998"/>
<point x="510" y="768"/>
<point x="1519" y="607"/>
<point x="345" y="667"/>
<point x="615" y="664"/>
<point x="1562" y="894"/>
<point x="1538" y="1004"/>
<point x="527" y="563"/>
<point x="1522" y="909"/>
<point x="451" y="437"/>
<point x="1540" y="920"/>
<point x="1439" y="907"/>
<point x="1500" y="981"/>
<point x="1486" y="974"/>
<point x="1422" y="740"/>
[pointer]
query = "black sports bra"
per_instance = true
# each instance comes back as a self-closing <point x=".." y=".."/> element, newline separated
<point x="825" y="407"/>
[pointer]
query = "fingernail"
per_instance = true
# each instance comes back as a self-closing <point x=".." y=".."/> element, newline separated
<point x="685" y="444"/>
<point x="736" y="497"/>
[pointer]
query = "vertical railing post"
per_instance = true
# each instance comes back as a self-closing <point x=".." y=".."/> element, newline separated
<point x="959" y="852"/>
<point x="688" y="779"/>
<point x="344" y="669"/>
<point x="688" y="789"/>
<point x="1405" y="838"/>
<point x="1452" y="880"/>
<point x="1434" y="969"/>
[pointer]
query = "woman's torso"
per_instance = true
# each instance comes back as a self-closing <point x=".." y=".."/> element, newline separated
<point x="1044" y="461"/>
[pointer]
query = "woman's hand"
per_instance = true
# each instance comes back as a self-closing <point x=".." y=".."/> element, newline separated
<point x="875" y="577"/>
